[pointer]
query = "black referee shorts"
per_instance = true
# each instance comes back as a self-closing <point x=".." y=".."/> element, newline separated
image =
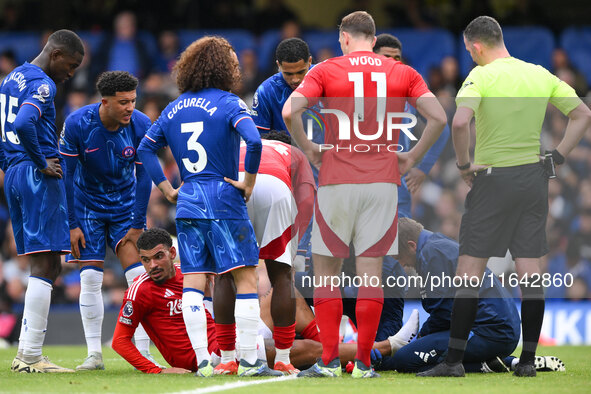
<point x="506" y="208"/>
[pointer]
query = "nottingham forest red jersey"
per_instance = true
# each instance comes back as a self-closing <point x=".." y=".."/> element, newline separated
<point x="159" y="309"/>
<point x="357" y="85"/>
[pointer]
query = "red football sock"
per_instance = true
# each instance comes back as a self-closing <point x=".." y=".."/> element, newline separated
<point x="311" y="331"/>
<point x="284" y="336"/>
<point x="368" y="311"/>
<point x="328" y="307"/>
<point x="226" y="336"/>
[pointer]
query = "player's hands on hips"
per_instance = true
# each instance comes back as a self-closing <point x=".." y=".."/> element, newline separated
<point x="76" y="237"/>
<point x="132" y="236"/>
<point x="314" y="154"/>
<point x="469" y="173"/>
<point x="175" y="370"/>
<point x="414" y="179"/>
<point x="53" y="168"/>
<point x="169" y="192"/>
<point x="242" y="186"/>
<point x="405" y="162"/>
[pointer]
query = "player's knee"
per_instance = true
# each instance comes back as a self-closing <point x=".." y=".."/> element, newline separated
<point x="279" y="274"/>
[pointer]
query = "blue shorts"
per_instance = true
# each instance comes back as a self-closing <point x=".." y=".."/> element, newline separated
<point x="100" y="229"/>
<point x="38" y="210"/>
<point x="216" y="245"/>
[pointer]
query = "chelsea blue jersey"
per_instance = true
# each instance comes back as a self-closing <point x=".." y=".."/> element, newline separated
<point x="200" y="129"/>
<point x="105" y="174"/>
<point x="27" y="85"/>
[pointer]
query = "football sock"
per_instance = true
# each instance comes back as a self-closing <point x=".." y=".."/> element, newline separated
<point x="196" y="322"/>
<point x="532" y="316"/>
<point x="247" y="312"/>
<point x="141" y="338"/>
<point x="328" y="307"/>
<point x="311" y="331"/>
<point x="208" y="302"/>
<point x="226" y="337"/>
<point x="368" y="311"/>
<point x="92" y="309"/>
<point x="283" y="337"/>
<point x="463" y="314"/>
<point x="37" y="300"/>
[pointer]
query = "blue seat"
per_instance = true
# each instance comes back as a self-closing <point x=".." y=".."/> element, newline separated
<point x="268" y="42"/>
<point x="238" y="38"/>
<point x="576" y="41"/>
<point x="424" y="49"/>
<point x="531" y="44"/>
<point x="322" y="39"/>
<point x="25" y="45"/>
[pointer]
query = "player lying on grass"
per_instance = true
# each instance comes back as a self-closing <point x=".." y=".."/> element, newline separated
<point x="496" y="330"/>
<point x="155" y="301"/>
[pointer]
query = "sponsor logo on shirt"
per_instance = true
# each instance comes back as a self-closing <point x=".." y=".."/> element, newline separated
<point x="168" y="293"/>
<point x="125" y="320"/>
<point x="175" y="306"/>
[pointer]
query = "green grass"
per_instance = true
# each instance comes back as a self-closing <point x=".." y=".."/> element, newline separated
<point x="121" y="377"/>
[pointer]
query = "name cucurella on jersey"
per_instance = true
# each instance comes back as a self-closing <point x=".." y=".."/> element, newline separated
<point x="19" y="78"/>
<point x="192" y="102"/>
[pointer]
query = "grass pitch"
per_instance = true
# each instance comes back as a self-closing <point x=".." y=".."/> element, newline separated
<point x="120" y="377"/>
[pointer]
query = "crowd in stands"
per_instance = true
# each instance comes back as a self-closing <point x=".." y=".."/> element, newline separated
<point x="438" y="205"/>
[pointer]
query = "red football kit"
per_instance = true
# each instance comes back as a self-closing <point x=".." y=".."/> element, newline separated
<point x="291" y="166"/>
<point x="357" y="84"/>
<point x="159" y="309"/>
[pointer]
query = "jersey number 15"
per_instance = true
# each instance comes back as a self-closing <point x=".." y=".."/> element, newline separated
<point x="8" y="117"/>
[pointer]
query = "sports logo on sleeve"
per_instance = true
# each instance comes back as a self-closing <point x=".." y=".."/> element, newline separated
<point x="128" y="309"/>
<point x="242" y="105"/>
<point x="255" y="100"/>
<point x="42" y="92"/>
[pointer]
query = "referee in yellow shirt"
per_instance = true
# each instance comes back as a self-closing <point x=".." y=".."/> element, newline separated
<point x="507" y="205"/>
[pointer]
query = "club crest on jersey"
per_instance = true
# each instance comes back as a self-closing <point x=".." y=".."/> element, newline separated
<point x="128" y="309"/>
<point x="128" y="152"/>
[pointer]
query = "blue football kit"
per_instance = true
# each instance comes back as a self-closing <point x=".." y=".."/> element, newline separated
<point x="203" y="131"/>
<point x="496" y="329"/>
<point x="37" y="202"/>
<point x="107" y="187"/>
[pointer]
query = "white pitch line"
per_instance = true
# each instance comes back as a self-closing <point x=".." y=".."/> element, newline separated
<point x="236" y="385"/>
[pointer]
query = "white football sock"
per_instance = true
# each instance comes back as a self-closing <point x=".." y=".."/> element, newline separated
<point x="247" y="312"/>
<point x="208" y="302"/>
<point x="228" y="355"/>
<point x="37" y="300"/>
<point x="406" y="334"/>
<point x="196" y="323"/>
<point x="92" y="309"/>
<point x="141" y="338"/>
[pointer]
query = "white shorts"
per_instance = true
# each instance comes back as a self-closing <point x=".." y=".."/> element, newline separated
<point x="363" y="214"/>
<point x="272" y="211"/>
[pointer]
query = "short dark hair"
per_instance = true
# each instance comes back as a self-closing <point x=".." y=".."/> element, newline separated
<point x="292" y="50"/>
<point x="486" y="30"/>
<point x="153" y="237"/>
<point x="359" y="23"/>
<point x="388" y="41"/>
<point x="207" y="63"/>
<point x="408" y="230"/>
<point x="67" y="40"/>
<point x="111" y="82"/>
<point x="276" y="135"/>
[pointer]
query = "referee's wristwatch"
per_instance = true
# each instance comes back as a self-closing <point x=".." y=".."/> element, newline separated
<point x="463" y="166"/>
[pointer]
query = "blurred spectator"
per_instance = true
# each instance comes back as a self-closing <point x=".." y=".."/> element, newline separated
<point x="251" y="76"/>
<point x="7" y="63"/>
<point x="169" y="51"/>
<point x="323" y="54"/>
<point x="274" y="15"/>
<point x="562" y="67"/>
<point x="11" y="17"/>
<point x="152" y="106"/>
<point x="16" y="275"/>
<point x="124" y="49"/>
<point x="85" y="78"/>
<point x="450" y="73"/>
<point x="75" y="99"/>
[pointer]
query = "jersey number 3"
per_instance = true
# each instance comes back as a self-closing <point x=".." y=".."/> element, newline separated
<point x="8" y="117"/>
<point x="196" y="128"/>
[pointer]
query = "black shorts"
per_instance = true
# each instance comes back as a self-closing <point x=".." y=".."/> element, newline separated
<point x="506" y="208"/>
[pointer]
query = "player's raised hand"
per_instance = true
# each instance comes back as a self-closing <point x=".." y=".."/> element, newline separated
<point x="175" y="370"/>
<point x="76" y="238"/>
<point x="53" y="168"/>
<point x="414" y="179"/>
